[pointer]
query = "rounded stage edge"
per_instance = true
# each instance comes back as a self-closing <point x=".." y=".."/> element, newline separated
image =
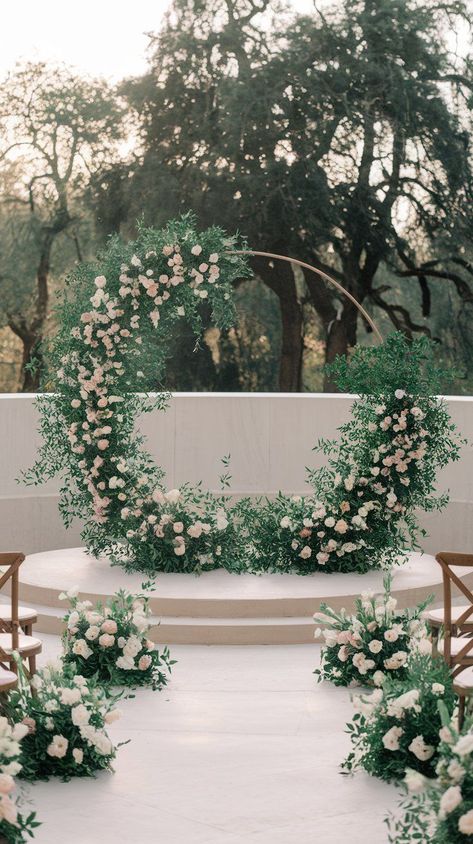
<point x="219" y="607"/>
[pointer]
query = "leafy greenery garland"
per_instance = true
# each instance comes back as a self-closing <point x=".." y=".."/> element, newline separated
<point x="115" y="322"/>
<point x="397" y="727"/>
<point x="382" y="469"/>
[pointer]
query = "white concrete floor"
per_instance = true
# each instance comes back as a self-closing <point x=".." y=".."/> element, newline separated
<point x="241" y="748"/>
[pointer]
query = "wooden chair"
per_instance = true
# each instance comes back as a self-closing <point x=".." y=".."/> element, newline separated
<point x="456" y="645"/>
<point x="10" y="637"/>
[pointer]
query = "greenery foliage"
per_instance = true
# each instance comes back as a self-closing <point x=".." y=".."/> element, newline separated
<point x="383" y="468"/>
<point x="66" y="715"/>
<point x="397" y="727"/>
<point x="15" y="826"/>
<point x="109" y="643"/>
<point x="440" y="811"/>
<point x="371" y="645"/>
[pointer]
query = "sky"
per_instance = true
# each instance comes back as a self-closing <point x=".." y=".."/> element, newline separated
<point x="99" y="37"/>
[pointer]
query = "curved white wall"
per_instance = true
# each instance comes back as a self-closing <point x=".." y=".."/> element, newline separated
<point x="269" y="436"/>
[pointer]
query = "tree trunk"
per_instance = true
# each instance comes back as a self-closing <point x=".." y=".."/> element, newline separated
<point x="279" y="276"/>
<point x="31" y="351"/>
<point x="341" y="336"/>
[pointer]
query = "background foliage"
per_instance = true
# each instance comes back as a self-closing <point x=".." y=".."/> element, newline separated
<point x="342" y="138"/>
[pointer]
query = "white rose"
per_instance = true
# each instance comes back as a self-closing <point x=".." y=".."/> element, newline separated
<point x="306" y="552"/>
<point x="375" y="646"/>
<point x="400" y="394"/>
<point x="451" y="798"/>
<point x="172" y="496"/>
<point x="80" y="715"/>
<point x="391" y="635"/>
<point x="415" y="782"/>
<point x="285" y="522"/>
<point x="81" y="648"/>
<point x="465" y="824"/>
<point x="420" y="749"/>
<point x="92" y="633"/>
<point x="112" y="716"/>
<point x="391" y="738"/>
<point x="464" y="745"/>
<point x="70" y="696"/>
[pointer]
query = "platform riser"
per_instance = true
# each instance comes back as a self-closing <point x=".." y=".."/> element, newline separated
<point x="208" y="634"/>
<point x="229" y="608"/>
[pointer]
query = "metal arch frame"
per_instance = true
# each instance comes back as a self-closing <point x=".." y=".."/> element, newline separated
<point x="321" y="274"/>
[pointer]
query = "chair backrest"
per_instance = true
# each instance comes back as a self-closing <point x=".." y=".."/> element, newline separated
<point x="12" y="561"/>
<point x="464" y="622"/>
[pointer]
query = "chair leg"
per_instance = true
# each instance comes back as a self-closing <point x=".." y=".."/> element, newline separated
<point x="461" y="711"/>
<point x="32" y="664"/>
<point x="435" y="631"/>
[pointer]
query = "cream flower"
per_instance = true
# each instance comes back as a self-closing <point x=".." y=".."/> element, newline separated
<point x="465" y="824"/>
<point x="80" y="715"/>
<point x="391" y="738"/>
<point x="420" y="749"/>
<point x="451" y="798"/>
<point x="58" y="747"/>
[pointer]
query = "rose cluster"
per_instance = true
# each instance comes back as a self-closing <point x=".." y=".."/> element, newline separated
<point x="15" y="827"/>
<point x="441" y="810"/>
<point x="370" y="645"/>
<point x="66" y="717"/>
<point x="377" y="477"/>
<point x="110" y="642"/>
<point x="397" y="726"/>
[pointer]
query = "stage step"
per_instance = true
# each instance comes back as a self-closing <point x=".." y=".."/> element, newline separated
<point x="219" y="607"/>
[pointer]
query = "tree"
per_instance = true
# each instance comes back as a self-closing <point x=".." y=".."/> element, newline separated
<point x="57" y="129"/>
<point x="341" y="139"/>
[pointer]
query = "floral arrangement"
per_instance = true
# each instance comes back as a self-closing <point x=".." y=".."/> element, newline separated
<point x="383" y="468"/>
<point x="14" y="826"/>
<point x="440" y="811"/>
<point x="371" y="645"/>
<point x="66" y="716"/>
<point x="397" y="727"/>
<point x="109" y="642"/>
<point x="115" y="319"/>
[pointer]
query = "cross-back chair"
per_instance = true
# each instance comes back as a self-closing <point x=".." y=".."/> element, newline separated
<point x="456" y="623"/>
<point x="12" y="637"/>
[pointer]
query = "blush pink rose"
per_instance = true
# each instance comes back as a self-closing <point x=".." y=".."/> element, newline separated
<point x="144" y="662"/>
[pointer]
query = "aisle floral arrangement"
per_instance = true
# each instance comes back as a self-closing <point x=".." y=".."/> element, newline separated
<point x="440" y="811"/>
<point x="397" y="727"/>
<point x="372" y="644"/>
<point x="66" y="717"/>
<point x="109" y="641"/>
<point x="115" y="323"/>
<point x="15" y="826"/>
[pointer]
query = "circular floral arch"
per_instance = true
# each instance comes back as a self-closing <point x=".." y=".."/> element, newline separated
<point x="110" y="317"/>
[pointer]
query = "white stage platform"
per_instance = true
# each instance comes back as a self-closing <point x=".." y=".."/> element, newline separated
<point x="218" y="607"/>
